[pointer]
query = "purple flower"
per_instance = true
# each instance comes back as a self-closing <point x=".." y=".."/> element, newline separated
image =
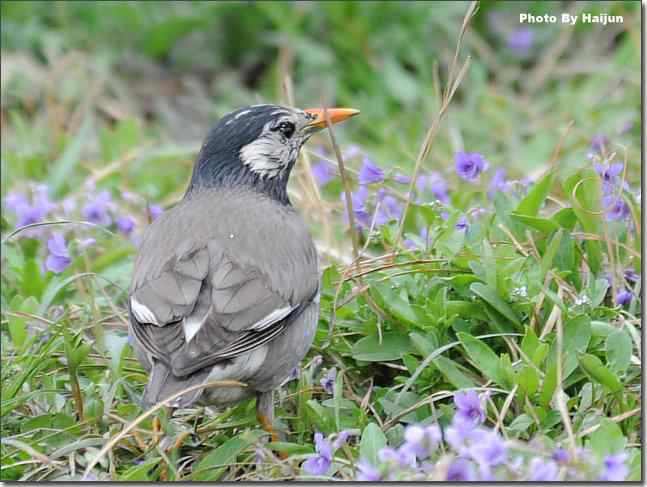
<point x="370" y="173"/>
<point x="324" y="172"/>
<point x="403" y="456"/>
<point x="623" y="298"/>
<point x="458" y="434"/>
<point x="462" y="224"/>
<point x="367" y="472"/>
<point x="610" y="175"/>
<point x="614" y="468"/>
<point x="125" y="224"/>
<point x="487" y="448"/>
<point x="359" y="197"/>
<point x="28" y="212"/>
<point x="155" y="211"/>
<point x="615" y="208"/>
<point x="460" y="470"/>
<point x="402" y="178"/>
<point x="59" y="257"/>
<point x="340" y="440"/>
<point x="626" y="127"/>
<point x="560" y="455"/>
<point x="543" y="470"/>
<point x="328" y="382"/>
<point x="388" y="209"/>
<point x="84" y="243"/>
<point x="97" y="210"/>
<point x="321" y="462"/>
<point x="436" y="184"/>
<point x="469" y="408"/>
<point x="469" y="165"/>
<point x="599" y="142"/>
<point x="499" y="182"/>
<point x="520" y="41"/>
<point x="631" y="276"/>
<point x="422" y="440"/>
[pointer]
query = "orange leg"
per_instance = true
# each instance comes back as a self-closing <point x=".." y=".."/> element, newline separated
<point x="267" y="425"/>
<point x="265" y="416"/>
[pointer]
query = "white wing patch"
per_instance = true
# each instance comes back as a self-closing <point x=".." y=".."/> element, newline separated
<point x="142" y="312"/>
<point x="273" y="317"/>
<point x="191" y="326"/>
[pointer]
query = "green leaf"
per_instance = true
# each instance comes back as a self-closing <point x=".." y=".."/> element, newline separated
<point x="452" y="373"/>
<point x="63" y="168"/>
<point x="213" y="465"/>
<point x="542" y="224"/>
<point x="549" y="385"/>
<point x="393" y="347"/>
<point x="528" y="380"/>
<point x="139" y="473"/>
<point x="619" y="347"/>
<point x="565" y="218"/>
<point x="492" y="298"/>
<point x="529" y="206"/>
<point x="549" y="255"/>
<point x="607" y="439"/>
<point x="373" y="440"/>
<point x="577" y="335"/>
<point x="483" y="357"/>
<point x="597" y="371"/>
<point x="115" y="345"/>
<point x="394" y="304"/>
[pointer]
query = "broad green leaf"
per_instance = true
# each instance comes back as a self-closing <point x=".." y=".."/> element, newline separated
<point x="139" y="473"/>
<point x="595" y="369"/>
<point x="394" y="304"/>
<point x="549" y="255"/>
<point x="565" y="218"/>
<point x="425" y="345"/>
<point x="544" y="225"/>
<point x="492" y="298"/>
<point x="213" y="465"/>
<point x="521" y="423"/>
<point x="373" y="440"/>
<point x="528" y="380"/>
<point x="452" y="373"/>
<point x="619" y="346"/>
<point x="393" y="347"/>
<point x="115" y="346"/>
<point x="530" y="342"/>
<point x="550" y="383"/>
<point x="607" y="439"/>
<point x="483" y="357"/>
<point x="529" y="206"/>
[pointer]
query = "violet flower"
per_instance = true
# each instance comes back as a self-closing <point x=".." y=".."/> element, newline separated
<point x="155" y="211"/>
<point x="498" y="182"/>
<point x="59" y="257"/>
<point x="370" y="173"/>
<point x="623" y="298"/>
<point x="520" y="41"/>
<point x="328" y="382"/>
<point x="543" y="470"/>
<point x="469" y="408"/>
<point x="462" y="224"/>
<point x="125" y="224"/>
<point x="401" y="178"/>
<point x="320" y="463"/>
<point x="560" y="455"/>
<point x="487" y="449"/>
<point x="460" y="470"/>
<point x="615" y="469"/>
<point x="96" y="211"/>
<point x="631" y="276"/>
<point x="422" y="440"/>
<point x="615" y="208"/>
<point x="366" y="472"/>
<point x="599" y="142"/>
<point x="469" y="165"/>
<point x="324" y="172"/>
<point x="610" y="175"/>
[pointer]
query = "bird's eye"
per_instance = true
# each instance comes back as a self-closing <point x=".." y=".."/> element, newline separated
<point x="286" y="128"/>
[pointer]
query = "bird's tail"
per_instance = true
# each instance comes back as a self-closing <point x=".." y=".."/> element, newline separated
<point x="162" y="384"/>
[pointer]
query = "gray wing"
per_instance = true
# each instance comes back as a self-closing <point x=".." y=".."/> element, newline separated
<point x="203" y="307"/>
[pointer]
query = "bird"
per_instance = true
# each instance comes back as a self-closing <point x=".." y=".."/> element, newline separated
<point x="225" y="284"/>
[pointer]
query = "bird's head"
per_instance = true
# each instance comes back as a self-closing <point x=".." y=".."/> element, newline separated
<point x="257" y="146"/>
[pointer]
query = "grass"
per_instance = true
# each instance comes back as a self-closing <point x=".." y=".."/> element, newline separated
<point x="524" y="303"/>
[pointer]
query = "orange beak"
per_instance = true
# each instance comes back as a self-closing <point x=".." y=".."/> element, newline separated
<point x="335" y="115"/>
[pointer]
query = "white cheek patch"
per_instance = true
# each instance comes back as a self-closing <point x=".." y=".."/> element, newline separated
<point x="142" y="312"/>
<point x="265" y="156"/>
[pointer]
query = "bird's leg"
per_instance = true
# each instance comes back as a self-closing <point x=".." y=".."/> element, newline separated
<point x="265" y="413"/>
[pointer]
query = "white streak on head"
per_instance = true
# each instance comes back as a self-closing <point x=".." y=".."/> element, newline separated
<point x="240" y="114"/>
